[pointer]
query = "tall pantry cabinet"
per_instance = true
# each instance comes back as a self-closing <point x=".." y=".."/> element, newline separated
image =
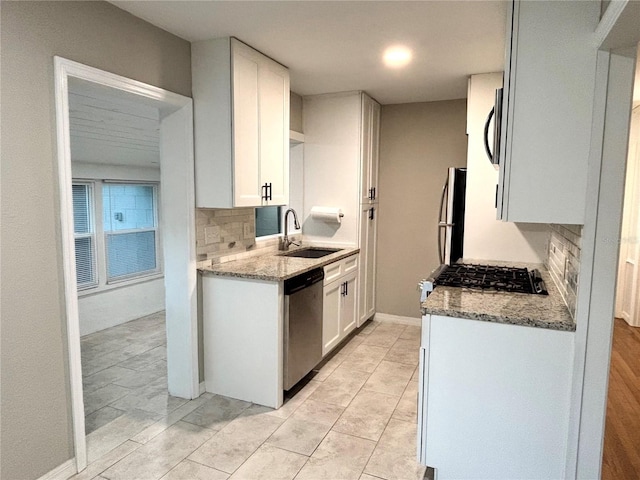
<point x="341" y="170"/>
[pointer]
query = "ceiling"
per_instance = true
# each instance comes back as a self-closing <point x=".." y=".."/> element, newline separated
<point x="333" y="46"/>
<point x="111" y="127"/>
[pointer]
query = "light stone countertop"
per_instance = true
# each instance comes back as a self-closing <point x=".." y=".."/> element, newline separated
<point x="540" y="311"/>
<point x="272" y="266"/>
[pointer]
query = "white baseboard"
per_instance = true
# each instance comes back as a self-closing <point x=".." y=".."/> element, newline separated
<point x="388" y="318"/>
<point x="61" y="472"/>
<point x="202" y="388"/>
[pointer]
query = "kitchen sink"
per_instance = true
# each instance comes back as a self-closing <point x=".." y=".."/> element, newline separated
<point x="311" y="252"/>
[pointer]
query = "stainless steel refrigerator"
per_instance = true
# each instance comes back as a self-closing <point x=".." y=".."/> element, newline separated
<point x="451" y="219"/>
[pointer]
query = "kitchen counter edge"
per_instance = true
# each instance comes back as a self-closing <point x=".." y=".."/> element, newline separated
<point x="538" y="311"/>
<point x="273" y="266"/>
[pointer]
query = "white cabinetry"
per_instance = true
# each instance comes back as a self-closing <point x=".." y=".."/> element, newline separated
<point x="547" y="105"/>
<point x="368" y="236"/>
<point x="493" y="399"/>
<point x="341" y="170"/>
<point x="241" y="120"/>
<point x="339" y="304"/>
<point x="370" y="141"/>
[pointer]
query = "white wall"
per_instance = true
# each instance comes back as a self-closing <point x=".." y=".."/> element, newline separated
<point x="117" y="304"/>
<point x="332" y="165"/>
<point x="485" y="237"/>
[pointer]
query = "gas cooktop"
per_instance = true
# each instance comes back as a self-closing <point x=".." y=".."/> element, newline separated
<point x="490" y="277"/>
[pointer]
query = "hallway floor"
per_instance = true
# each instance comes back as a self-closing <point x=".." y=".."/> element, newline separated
<point x="621" y="459"/>
<point x="356" y="419"/>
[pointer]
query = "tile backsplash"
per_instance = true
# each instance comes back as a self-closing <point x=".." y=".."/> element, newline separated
<point x="224" y="232"/>
<point x="563" y="261"/>
<point x="227" y="234"/>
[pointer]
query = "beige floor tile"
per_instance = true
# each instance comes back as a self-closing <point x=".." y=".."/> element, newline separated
<point x="364" y="358"/>
<point x="102" y="397"/>
<point x="103" y="378"/>
<point x="340" y="387"/>
<point x="292" y="404"/>
<point x="299" y="436"/>
<point x="217" y="412"/>
<point x="351" y="345"/>
<point x="412" y="332"/>
<point x="416" y="373"/>
<point x="98" y="363"/>
<point x="272" y="463"/>
<point x="162" y="403"/>
<point x="384" y="335"/>
<point x="231" y="446"/>
<point x="318" y="412"/>
<point x="101" y="464"/>
<point x="188" y="470"/>
<point x="367" y="415"/>
<point x="118" y="431"/>
<point x="339" y="457"/>
<point x="158" y="456"/>
<point x="138" y="379"/>
<point x="404" y="351"/>
<point x="165" y="422"/>
<point x="369" y="327"/>
<point x="389" y="377"/>
<point x="100" y="418"/>
<point x="394" y="458"/>
<point x="364" y="476"/>
<point x="407" y="409"/>
<point x="328" y="368"/>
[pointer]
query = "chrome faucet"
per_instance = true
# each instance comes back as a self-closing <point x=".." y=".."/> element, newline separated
<point x="285" y="241"/>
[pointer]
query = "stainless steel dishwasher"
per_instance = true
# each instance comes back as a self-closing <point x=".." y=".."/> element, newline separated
<point x="302" y="325"/>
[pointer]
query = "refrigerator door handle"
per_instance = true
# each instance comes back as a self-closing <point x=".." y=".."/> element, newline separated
<point x="442" y="224"/>
<point x="487" y="149"/>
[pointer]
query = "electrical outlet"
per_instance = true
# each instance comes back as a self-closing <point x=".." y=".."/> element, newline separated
<point x="211" y="235"/>
<point x="248" y="230"/>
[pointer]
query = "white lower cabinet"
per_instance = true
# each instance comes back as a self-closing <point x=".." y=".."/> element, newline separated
<point x="339" y="317"/>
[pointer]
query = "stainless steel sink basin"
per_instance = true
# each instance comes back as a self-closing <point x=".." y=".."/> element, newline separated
<point x="311" y="252"/>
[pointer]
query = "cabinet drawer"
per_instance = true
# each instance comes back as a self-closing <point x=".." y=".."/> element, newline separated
<point x="339" y="268"/>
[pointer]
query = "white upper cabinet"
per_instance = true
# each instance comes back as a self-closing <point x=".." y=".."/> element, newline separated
<point x="241" y="116"/>
<point x="549" y="81"/>
<point x="370" y="139"/>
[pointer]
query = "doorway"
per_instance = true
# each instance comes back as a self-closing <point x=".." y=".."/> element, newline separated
<point x="175" y="235"/>
<point x="621" y="455"/>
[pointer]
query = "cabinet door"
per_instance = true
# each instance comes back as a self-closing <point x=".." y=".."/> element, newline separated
<point x="547" y="112"/>
<point x="331" y="306"/>
<point x="274" y="131"/>
<point x="375" y="148"/>
<point x="349" y="310"/>
<point x="370" y="287"/>
<point x="246" y="176"/>
<point x="367" y="284"/>
<point x="365" y="160"/>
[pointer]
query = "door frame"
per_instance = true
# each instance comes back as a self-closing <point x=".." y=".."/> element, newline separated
<point x="616" y="41"/>
<point x="178" y="232"/>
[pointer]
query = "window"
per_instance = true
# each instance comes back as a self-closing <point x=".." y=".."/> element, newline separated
<point x="116" y="231"/>
<point x="130" y="229"/>
<point x="268" y="221"/>
<point x="84" y="233"/>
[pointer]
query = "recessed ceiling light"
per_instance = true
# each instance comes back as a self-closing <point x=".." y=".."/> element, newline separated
<point x="397" y="56"/>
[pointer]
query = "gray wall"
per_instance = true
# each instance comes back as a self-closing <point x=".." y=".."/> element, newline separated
<point x="36" y="419"/>
<point x="295" y="112"/>
<point x="418" y="142"/>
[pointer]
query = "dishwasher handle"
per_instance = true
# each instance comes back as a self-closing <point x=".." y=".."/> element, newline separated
<point x="302" y="281"/>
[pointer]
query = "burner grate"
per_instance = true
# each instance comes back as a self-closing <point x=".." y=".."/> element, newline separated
<point x="491" y="277"/>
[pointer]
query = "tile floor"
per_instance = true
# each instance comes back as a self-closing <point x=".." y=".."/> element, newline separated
<point x="356" y="419"/>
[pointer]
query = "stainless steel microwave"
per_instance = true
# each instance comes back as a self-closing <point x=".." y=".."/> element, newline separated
<point x="493" y="148"/>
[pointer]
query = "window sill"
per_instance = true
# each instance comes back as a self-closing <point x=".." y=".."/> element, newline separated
<point x="119" y="284"/>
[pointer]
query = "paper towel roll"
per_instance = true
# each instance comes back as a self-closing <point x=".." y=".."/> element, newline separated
<point x="327" y="214"/>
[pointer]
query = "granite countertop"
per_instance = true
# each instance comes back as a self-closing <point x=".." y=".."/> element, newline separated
<point x="541" y="311"/>
<point x="272" y="266"/>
